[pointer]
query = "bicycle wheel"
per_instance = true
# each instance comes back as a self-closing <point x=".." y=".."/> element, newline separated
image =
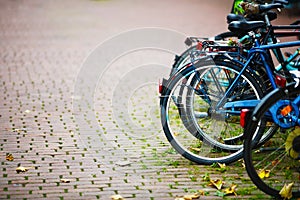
<point x="203" y="144"/>
<point x="275" y="167"/>
<point x="215" y="81"/>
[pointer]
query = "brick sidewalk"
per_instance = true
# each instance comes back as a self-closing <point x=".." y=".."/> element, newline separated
<point x="43" y="47"/>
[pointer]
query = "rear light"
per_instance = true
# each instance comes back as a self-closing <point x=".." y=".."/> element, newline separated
<point x="280" y="80"/>
<point x="160" y="87"/>
<point x="243" y="117"/>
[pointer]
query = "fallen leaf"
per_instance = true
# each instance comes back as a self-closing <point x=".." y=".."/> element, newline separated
<point x="264" y="173"/>
<point x="191" y="196"/>
<point x="230" y="190"/>
<point x="222" y="165"/>
<point x="21" y="169"/>
<point x="286" y="191"/>
<point x="243" y="165"/>
<point x="65" y="180"/>
<point x="201" y="192"/>
<point x="195" y="149"/>
<point x="10" y="157"/>
<point x="219" y="166"/>
<point x="217" y="183"/>
<point x="123" y="163"/>
<point x="275" y="162"/>
<point x="18" y="130"/>
<point x="117" y="197"/>
<point x="179" y="198"/>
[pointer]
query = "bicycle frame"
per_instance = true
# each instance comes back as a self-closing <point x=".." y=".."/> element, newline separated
<point x="262" y="51"/>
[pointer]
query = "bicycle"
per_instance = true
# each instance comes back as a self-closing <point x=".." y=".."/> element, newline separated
<point x="274" y="168"/>
<point x="223" y="46"/>
<point x="196" y="132"/>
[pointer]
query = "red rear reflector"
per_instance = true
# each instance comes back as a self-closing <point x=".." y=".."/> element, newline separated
<point x="160" y="87"/>
<point x="243" y="117"/>
<point x="280" y="81"/>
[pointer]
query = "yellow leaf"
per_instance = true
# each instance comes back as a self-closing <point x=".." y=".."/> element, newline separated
<point x="65" y="180"/>
<point x="222" y="166"/>
<point x="243" y="165"/>
<point x="10" y="157"/>
<point x="187" y="197"/>
<point x="264" y="173"/>
<point x="286" y="191"/>
<point x="21" y="169"/>
<point x="117" y="197"/>
<point x="195" y="149"/>
<point x="217" y="183"/>
<point x="201" y="192"/>
<point x="191" y="197"/>
<point x="231" y="190"/>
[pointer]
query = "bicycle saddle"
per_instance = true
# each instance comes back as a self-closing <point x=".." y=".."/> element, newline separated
<point x="260" y="17"/>
<point x="234" y="17"/>
<point x="245" y="26"/>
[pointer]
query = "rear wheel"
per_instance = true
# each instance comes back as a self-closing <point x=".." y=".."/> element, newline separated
<point x="219" y="122"/>
<point x="199" y="134"/>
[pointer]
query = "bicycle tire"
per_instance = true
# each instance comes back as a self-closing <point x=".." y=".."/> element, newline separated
<point x="242" y="92"/>
<point x="168" y="110"/>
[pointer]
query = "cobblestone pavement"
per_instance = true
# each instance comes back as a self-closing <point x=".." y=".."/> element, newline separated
<point x="110" y="141"/>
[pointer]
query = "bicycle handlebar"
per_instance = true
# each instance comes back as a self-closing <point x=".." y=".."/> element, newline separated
<point x="267" y="7"/>
<point x="283" y="2"/>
